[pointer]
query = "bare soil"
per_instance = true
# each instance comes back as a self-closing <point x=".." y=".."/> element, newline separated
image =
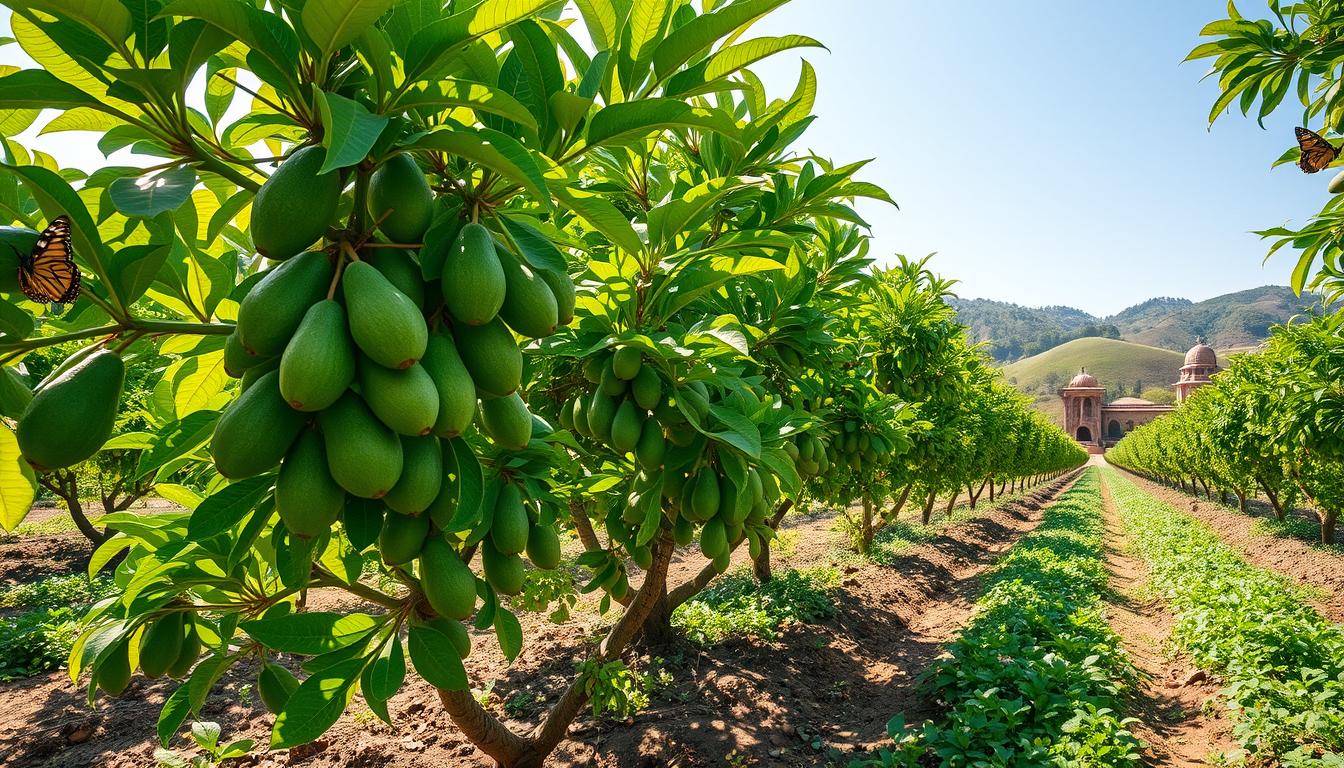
<point x="817" y="691"/>
<point x="1179" y="730"/>
<point x="1317" y="568"/>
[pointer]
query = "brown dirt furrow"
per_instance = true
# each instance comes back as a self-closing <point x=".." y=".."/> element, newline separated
<point x="1315" y="567"/>
<point x="780" y="703"/>
<point x="1174" y="723"/>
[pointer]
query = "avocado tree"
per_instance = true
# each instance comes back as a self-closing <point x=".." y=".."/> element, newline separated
<point x="364" y="285"/>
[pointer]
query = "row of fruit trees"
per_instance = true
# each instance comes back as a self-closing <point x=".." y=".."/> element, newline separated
<point x="1273" y="423"/>
<point x="419" y="291"/>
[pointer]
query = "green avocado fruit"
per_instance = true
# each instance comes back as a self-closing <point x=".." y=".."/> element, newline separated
<point x="405" y="400"/>
<point x="72" y="414"/>
<point x="363" y="454"/>
<point x="256" y="430"/>
<point x="271" y="312"/>
<point x="161" y="644"/>
<point x="421" y="476"/>
<point x="491" y="356"/>
<point x="507" y="421"/>
<point x="403" y="537"/>
<point x="626" y="362"/>
<point x="275" y="685"/>
<point x="474" y="284"/>
<point x="626" y="427"/>
<point x="562" y="288"/>
<point x="448" y="584"/>
<point x="456" y="390"/>
<point x="295" y="206"/>
<point x="543" y="547"/>
<point x="318" y="364"/>
<point x="386" y="325"/>
<point x="307" y="499"/>
<point x="400" y="197"/>
<point x="508" y="527"/>
<point x="503" y="571"/>
<point x="529" y="306"/>
<point x="401" y="269"/>
<point x="114" y="674"/>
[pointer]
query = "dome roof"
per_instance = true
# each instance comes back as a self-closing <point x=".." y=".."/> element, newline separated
<point x="1084" y="379"/>
<point x="1201" y="354"/>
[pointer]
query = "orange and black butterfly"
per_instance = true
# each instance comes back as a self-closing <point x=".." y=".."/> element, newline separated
<point x="1316" y="154"/>
<point x="49" y="274"/>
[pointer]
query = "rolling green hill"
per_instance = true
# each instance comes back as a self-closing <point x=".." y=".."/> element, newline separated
<point x="1124" y="368"/>
<point x="1241" y="319"/>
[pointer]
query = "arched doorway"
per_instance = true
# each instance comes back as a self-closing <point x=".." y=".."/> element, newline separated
<point x="1114" y="430"/>
<point x="1084" y="435"/>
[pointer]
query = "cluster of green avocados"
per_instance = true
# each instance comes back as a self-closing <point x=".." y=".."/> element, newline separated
<point x="170" y="646"/>
<point x="363" y="366"/>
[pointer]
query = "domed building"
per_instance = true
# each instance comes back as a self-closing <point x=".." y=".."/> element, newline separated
<point x="1099" y="425"/>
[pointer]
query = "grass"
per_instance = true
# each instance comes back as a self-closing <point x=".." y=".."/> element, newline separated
<point x="1283" y="664"/>
<point x="37" y="636"/>
<point x="1035" y="677"/>
<point x="738" y="606"/>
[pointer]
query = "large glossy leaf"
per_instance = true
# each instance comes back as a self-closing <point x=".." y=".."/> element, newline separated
<point x="475" y="96"/>
<point x="39" y="89"/>
<point x="334" y="24"/>
<point x="445" y="37"/>
<point x="265" y="33"/>
<point x="493" y="150"/>
<point x="640" y="118"/>
<point x="435" y="658"/>
<point x="108" y="18"/>
<point x="310" y="633"/>
<point x="316" y="704"/>
<point x="701" y="33"/>
<point x="18" y="487"/>
<point x="602" y="216"/>
<point x="148" y="196"/>
<point x="226" y="507"/>
<point x="176" y="440"/>
<point x="351" y="130"/>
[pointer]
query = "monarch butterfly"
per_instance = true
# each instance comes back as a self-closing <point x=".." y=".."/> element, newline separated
<point x="49" y="274"/>
<point x="1317" y="153"/>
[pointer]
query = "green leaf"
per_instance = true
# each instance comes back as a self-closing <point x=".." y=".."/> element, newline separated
<point x="316" y="704"/>
<point x="310" y="634"/>
<point x="174" y="713"/>
<point x="176" y="440"/>
<point x="14" y="394"/>
<point x="226" y="507"/>
<point x="738" y="431"/>
<point x="351" y="130"/>
<point x="265" y="33"/>
<point x="699" y="34"/>
<point x="435" y="658"/>
<point x="362" y="519"/>
<point x="39" y="89"/>
<point x="601" y="215"/>
<point x="334" y="24"/>
<point x="475" y="96"/>
<point x="735" y="57"/>
<point x="509" y="633"/>
<point x="148" y="196"/>
<point x="384" y="677"/>
<point x="535" y="247"/>
<point x="494" y="150"/>
<point x="640" y="118"/>
<point x="646" y="25"/>
<point x="137" y="266"/>
<point x="18" y="487"/>
<point x="108" y="18"/>
<point x="445" y="37"/>
<point x="15" y="324"/>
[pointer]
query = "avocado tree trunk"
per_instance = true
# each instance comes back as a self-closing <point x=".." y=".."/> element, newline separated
<point x="65" y="486"/>
<point x="952" y="502"/>
<point x="1241" y="501"/>
<point x="1329" y="524"/>
<point x="866" y="531"/>
<point x="927" y="513"/>
<point x="760" y="565"/>
<point x="1274" y="502"/>
<point x="900" y="502"/>
<point x="508" y="749"/>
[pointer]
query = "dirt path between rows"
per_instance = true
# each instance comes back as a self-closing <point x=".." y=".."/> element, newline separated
<point x="815" y="691"/>
<point x="1170" y="698"/>
<point x="1312" y="566"/>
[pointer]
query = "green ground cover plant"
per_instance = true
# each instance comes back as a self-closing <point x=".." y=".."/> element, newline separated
<point x="738" y="606"/>
<point x="1035" y="678"/>
<point x="1283" y="664"/>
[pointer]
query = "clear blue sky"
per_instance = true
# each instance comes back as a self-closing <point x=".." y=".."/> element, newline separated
<point x="1051" y="153"/>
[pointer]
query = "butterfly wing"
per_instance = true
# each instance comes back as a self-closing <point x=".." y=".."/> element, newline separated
<point x="1316" y="152"/>
<point x="49" y="274"/>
